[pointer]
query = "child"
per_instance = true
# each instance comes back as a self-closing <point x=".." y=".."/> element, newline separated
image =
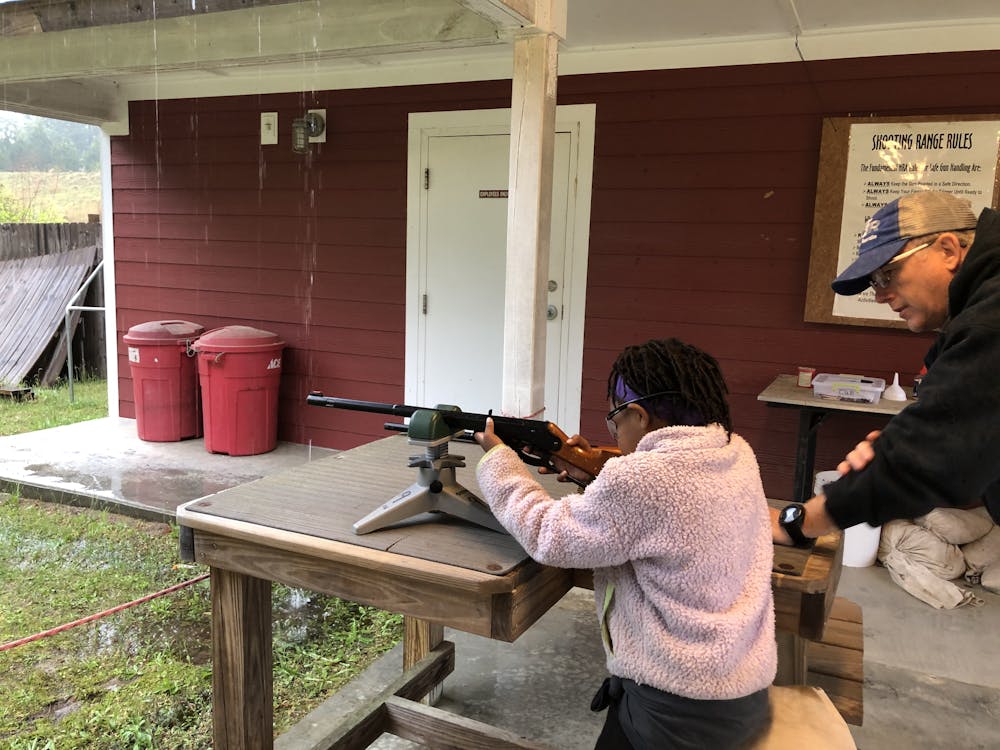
<point x="678" y="532"/>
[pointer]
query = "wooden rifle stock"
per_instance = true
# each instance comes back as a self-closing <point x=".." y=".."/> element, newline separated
<point x="590" y="461"/>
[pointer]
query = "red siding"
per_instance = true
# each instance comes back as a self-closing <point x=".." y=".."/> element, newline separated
<point x="704" y="185"/>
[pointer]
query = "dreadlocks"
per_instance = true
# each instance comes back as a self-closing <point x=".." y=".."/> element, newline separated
<point x="672" y="365"/>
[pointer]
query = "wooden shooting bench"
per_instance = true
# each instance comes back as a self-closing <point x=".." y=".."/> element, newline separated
<point x="835" y="663"/>
<point x="294" y="527"/>
<point x="820" y="635"/>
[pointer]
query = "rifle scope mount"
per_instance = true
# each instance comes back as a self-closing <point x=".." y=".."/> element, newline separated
<point x="436" y="489"/>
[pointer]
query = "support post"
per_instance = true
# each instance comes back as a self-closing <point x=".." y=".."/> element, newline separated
<point x="793" y="663"/>
<point x="420" y="637"/>
<point x="529" y="221"/>
<point x="242" y="697"/>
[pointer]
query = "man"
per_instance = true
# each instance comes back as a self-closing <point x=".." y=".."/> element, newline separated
<point x="938" y="268"/>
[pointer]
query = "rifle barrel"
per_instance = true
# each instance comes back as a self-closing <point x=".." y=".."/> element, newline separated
<point x="375" y="407"/>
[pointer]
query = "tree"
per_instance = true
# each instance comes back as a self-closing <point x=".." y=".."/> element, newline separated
<point x="40" y="144"/>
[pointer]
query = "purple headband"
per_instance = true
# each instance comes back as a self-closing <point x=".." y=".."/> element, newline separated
<point x="673" y="412"/>
<point x="624" y="393"/>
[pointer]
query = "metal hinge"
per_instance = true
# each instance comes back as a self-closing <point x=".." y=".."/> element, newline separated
<point x="427" y="178"/>
<point x="424" y="304"/>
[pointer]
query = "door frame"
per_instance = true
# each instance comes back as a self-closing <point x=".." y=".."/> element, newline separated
<point x="579" y="121"/>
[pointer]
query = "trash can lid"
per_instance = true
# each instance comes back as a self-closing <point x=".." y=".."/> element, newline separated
<point x="162" y="332"/>
<point x="238" y="339"/>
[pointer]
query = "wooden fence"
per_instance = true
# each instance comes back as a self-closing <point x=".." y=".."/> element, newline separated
<point x="29" y="240"/>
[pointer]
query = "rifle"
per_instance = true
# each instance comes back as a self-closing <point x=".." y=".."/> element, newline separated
<point x="535" y="441"/>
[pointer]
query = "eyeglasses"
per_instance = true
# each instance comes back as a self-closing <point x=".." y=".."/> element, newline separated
<point x="610" y="418"/>
<point x="882" y="277"/>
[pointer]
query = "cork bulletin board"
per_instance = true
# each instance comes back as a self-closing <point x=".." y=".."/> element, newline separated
<point x="868" y="161"/>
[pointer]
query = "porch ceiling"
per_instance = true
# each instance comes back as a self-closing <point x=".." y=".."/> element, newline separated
<point x="85" y="59"/>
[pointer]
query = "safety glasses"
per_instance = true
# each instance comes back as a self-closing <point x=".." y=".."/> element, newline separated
<point x="610" y="418"/>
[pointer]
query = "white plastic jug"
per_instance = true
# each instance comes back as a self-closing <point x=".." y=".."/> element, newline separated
<point x="861" y="541"/>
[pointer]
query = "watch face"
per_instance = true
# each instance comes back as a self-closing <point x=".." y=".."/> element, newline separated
<point x="790" y="514"/>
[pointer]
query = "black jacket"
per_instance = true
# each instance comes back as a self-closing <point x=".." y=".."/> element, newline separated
<point x="945" y="448"/>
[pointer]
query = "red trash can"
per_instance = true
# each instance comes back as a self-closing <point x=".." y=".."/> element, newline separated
<point x="240" y="372"/>
<point x="164" y="379"/>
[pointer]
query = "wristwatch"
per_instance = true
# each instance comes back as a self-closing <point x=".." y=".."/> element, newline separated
<point x="790" y="519"/>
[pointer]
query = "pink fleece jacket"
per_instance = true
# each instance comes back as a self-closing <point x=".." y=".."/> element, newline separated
<point x="682" y="531"/>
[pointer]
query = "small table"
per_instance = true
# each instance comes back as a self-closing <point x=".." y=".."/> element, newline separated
<point x="784" y="391"/>
<point x="294" y="527"/>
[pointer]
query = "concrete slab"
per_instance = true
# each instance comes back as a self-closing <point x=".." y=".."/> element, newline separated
<point x="907" y="709"/>
<point x="102" y="462"/>
<point x="540" y="686"/>
<point x="901" y="631"/>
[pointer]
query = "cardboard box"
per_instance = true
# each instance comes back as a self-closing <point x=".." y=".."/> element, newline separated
<point x="856" y="388"/>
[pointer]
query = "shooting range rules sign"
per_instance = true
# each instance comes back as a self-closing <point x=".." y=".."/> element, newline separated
<point x="888" y="159"/>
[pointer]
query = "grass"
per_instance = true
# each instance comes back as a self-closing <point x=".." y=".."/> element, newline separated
<point x="140" y="678"/>
<point x="54" y="196"/>
<point x="51" y="407"/>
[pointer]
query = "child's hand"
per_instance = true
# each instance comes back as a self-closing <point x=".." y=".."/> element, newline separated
<point x="566" y="470"/>
<point x="487" y="439"/>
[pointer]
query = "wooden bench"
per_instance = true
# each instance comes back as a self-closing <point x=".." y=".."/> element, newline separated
<point x="836" y="663"/>
<point x="803" y="717"/>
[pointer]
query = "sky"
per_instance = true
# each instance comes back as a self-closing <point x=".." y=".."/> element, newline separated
<point x="15" y="117"/>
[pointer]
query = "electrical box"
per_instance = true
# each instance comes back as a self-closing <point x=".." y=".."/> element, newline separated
<point x="321" y="138"/>
<point x="268" y="128"/>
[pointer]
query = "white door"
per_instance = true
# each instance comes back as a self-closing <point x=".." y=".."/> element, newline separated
<point x="455" y="271"/>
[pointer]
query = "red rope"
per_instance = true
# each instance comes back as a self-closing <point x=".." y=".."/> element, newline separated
<point x="99" y="615"/>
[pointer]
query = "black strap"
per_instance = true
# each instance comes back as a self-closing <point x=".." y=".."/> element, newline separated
<point x="609" y="693"/>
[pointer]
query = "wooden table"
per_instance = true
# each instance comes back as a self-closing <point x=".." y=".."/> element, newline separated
<point x="295" y="528"/>
<point x="784" y="391"/>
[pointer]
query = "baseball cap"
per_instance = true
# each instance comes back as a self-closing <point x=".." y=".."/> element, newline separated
<point x="895" y="224"/>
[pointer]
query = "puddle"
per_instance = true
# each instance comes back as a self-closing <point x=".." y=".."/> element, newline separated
<point x="297" y="617"/>
<point x="31" y="549"/>
<point x="297" y="614"/>
<point x="159" y="488"/>
<point x="134" y="631"/>
<point x="87" y="481"/>
<point x="106" y="635"/>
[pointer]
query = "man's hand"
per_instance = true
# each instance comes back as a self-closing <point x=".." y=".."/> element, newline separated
<point x="566" y="470"/>
<point x="487" y="439"/>
<point x="818" y="521"/>
<point x="862" y="454"/>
